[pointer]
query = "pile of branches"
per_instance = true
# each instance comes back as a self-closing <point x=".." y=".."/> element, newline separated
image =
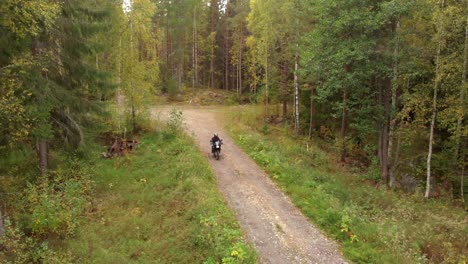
<point x="120" y="147"/>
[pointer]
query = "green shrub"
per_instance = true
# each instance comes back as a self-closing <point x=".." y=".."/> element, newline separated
<point x="176" y="121"/>
<point x="18" y="248"/>
<point x="54" y="203"/>
<point x="265" y="129"/>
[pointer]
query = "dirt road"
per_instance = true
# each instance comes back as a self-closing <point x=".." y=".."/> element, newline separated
<point x="278" y="230"/>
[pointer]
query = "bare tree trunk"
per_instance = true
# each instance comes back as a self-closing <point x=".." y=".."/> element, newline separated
<point x="344" y="122"/>
<point x="393" y="108"/>
<point x="296" y="97"/>
<point x="156" y="35"/>
<point x="433" y="118"/>
<point x="311" y="120"/>
<point x="237" y="78"/>
<point x="132" y="90"/>
<point x="226" y="50"/>
<point x="384" y="143"/>
<point x="42" y="142"/>
<point x="241" y="46"/>
<point x="2" y="227"/>
<point x="266" y="82"/>
<point x="118" y="94"/>
<point x="193" y="51"/>
<point x="380" y="124"/>
<point x="168" y="45"/>
<point x="43" y="155"/>
<point x="462" y="188"/>
<point x="212" y="6"/>
<point x="462" y="116"/>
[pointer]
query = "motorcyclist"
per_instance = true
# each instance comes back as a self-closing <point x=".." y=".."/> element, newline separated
<point x="213" y="140"/>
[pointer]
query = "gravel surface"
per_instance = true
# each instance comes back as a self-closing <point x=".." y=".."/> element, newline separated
<point x="277" y="229"/>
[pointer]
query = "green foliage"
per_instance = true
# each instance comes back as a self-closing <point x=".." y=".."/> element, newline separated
<point x="21" y="249"/>
<point x="159" y="204"/>
<point x="221" y="238"/>
<point x="265" y="129"/>
<point x="176" y="121"/>
<point x="48" y="77"/>
<point x="373" y="224"/>
<point x="55" y="202"/>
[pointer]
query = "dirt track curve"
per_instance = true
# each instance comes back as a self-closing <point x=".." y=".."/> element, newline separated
<point x="278" y="230"/>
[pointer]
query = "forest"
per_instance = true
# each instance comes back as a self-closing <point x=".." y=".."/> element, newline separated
<point x="380" y="86"/>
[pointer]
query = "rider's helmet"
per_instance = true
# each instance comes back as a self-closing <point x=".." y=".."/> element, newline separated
<point x="215" y="134"/>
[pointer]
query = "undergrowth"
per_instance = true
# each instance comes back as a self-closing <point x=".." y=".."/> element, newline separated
<point x="373" y="224"/>
<point x="159" y="205"/>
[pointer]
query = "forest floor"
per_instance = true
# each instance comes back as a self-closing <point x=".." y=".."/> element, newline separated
<point x="279" y="231"/>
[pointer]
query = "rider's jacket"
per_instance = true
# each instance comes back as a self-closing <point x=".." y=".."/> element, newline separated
<point x="214" y="139"/>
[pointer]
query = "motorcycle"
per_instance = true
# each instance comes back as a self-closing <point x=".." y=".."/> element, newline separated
<point x="216" y="148"/>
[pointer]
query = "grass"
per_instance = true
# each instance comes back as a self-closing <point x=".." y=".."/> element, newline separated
<point x="373" y="224"/>
<point x="159" y="205"/>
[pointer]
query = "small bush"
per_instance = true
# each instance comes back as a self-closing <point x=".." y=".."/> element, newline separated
<point x="265" y="129"/>
<point x="54" y="203"/>
<point x="18" y="248"/>
<point x="176" y="121"/>
<point x="226" y="240"/>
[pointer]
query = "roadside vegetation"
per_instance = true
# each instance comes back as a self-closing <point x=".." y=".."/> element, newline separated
<point x="161" y="205"/>
<point x="156" y="204"/>
<point x="373" y="224"/>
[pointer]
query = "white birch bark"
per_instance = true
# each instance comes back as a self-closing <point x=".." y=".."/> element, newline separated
<point x="462" y="116"/>
<point x="296" y="96"/>
<point x="434" y="113"/>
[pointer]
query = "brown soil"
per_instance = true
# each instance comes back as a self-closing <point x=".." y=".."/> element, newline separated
<point x="276" y="228"/>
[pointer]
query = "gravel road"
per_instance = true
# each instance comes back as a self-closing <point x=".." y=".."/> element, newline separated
<point x="277" y="229"/>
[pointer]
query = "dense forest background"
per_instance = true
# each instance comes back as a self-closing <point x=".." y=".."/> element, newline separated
<point x="383" y="82"/>
<point x="385" y="79"/>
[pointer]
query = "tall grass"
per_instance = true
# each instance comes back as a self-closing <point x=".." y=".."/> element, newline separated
<point x="159" y="205"/>
<point x="373" y="224"/>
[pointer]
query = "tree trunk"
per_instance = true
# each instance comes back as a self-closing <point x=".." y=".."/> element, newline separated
<point x="2" y="228"/>
<point x="241" y="46"/>
<point x="195" y="50"/>
<point x="42" y="142"/>
<point x="462" y="116"/>
<point x="168" y="45"/>
<point x="344" y="122"/>
<point x="266" y="81"/>
<point x="380" y="124"/>
<point x="132" y="90"/>
<point x="212" y="6"/>
<point x="385" y="124"/>
<point x="43" y="155"/>
<point x="311" y="120"/>
<point x="433" y="117"/>
<point x="296" y="97"/>
<point x="226" y="49"/>
<point x="393" y="108"/>
<point x="119" y="98"/>
<point x="194" y="67"/>
<point x="285" y="108"/>
<point x="462" y="189"/>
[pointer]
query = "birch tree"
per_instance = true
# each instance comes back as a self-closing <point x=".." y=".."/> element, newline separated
<point x="434" y="100"/>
